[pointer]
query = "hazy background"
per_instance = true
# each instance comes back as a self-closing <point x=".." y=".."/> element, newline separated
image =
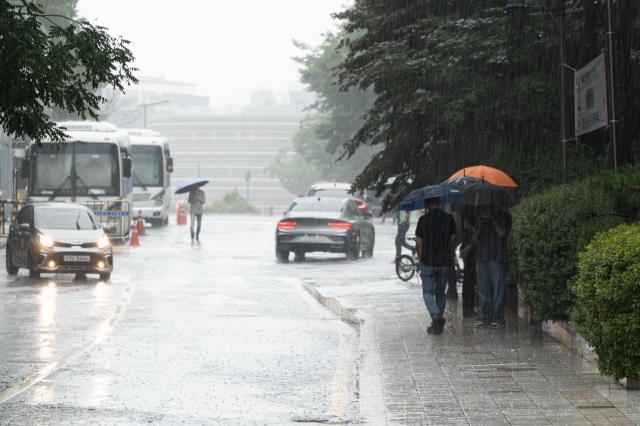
<point x="228" y="48"/>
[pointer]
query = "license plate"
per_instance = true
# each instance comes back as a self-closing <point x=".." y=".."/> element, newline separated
<point x="73" y="258"/>
<point x="312" y="239"/>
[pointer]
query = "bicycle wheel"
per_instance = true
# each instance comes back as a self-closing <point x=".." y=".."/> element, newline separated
<point x="405" y="267"/>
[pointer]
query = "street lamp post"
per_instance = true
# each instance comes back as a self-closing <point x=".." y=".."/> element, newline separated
<point x="147" y="105"/>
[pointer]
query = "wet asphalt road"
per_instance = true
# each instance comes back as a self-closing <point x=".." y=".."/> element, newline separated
<point x="216" y="333"/>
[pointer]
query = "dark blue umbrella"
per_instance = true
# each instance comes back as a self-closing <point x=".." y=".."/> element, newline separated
<point x="191" y="185"/>
<point x="462" y="182"/>
<point x="477" y="192"/>
<point x="415" y="199"/>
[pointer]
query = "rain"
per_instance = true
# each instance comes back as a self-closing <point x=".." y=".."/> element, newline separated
<point x="342" y="212"/>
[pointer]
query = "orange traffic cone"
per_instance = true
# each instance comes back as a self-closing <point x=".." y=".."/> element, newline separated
<point x="140" y="224"/>
<point x="135" y="240"/>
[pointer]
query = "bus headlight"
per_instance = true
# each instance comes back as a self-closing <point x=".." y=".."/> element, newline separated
<point x="103" y="242"/>
<point x="158" y="202"/>
<point x="45" y="241"/>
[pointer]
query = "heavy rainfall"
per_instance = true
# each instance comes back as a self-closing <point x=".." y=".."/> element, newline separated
<point x="380" y="212"/>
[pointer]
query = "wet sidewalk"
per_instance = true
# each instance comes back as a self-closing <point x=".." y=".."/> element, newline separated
<point x="517" y="375"/>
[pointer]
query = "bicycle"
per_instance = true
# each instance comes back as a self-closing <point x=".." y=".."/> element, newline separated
<point x="407" y="265"/>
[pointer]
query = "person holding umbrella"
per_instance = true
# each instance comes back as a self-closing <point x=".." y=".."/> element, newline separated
<point x="196" y="200"/>
<point x="435" y="238"/>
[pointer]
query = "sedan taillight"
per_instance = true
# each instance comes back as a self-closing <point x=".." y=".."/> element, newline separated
<point x="362" y="205"/>
<point x="339" y="226"/>
<point x="285" y="225"/>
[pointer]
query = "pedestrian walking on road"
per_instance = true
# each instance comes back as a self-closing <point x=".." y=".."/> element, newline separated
<point x="435" y="237"/>
<point x="401" y="235"/>
<point x="493" y="228"/>
<point x="197" y="198"/>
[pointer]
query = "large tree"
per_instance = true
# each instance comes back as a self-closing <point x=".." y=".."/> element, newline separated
<point x="317" y="148"/>
<point x="49" y="60"/>
<point x="457" y="86"/>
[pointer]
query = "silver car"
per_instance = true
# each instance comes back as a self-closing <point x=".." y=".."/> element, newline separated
<point x="58" y="238"/>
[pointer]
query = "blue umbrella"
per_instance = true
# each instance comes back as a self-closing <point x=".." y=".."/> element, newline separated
<point x="415" y="199"/>
<point x="190" y="185"/>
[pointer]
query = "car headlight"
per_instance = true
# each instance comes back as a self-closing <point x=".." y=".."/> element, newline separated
<point x="103" y="242"/>
<point x="45" y="241"/>
<point x="157" y="202"/>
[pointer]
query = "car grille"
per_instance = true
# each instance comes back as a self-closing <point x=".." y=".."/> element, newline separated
<point x="69" y="245"/>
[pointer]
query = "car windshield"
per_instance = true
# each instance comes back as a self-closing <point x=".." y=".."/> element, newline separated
<point x="317" y="205"/>
<point x="147" y="165"/>
<point x="52" y="218"/>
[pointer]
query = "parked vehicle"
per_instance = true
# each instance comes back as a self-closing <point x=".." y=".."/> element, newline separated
<point x="324" y="224"/>
<point x="338" y="189"/>
<point x="58" y="238"/>
<point x="92" y="168"/>
<point x="152" y="168"/>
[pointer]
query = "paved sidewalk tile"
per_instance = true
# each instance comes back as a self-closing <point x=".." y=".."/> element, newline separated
<point x="469" y="376"/>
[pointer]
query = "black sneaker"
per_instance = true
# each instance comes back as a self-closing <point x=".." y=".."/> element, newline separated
<point x="439" y="326"/>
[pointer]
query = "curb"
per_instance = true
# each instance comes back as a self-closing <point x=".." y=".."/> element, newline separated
<point x="347" y="314"/>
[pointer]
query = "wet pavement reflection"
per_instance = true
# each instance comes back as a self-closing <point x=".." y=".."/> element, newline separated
<point x="215" y="333"/>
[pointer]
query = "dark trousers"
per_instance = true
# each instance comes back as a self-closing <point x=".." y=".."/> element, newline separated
<point x="469" y="286"/>
<point x="196" y="218"/>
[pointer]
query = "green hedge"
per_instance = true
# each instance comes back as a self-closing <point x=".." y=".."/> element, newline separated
<point x="607" y="307"/>
<point x="231" y="203"/>
<point x="551" y="228"/>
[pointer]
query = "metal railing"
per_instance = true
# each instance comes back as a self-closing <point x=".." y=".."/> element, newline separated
<point x="8" y="211"/>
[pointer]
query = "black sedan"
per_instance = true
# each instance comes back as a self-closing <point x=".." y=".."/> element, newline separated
<point x="58" y="238"/>
<point x="324" y="224"/>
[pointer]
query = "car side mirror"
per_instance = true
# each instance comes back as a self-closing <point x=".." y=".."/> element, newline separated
<point x="170" y="165"/>
<point x="24" y="168"/>
<point x="126" y="167"/>
<point x="24" y="227"/>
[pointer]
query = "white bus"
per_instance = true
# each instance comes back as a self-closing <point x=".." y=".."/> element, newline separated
<point x="92" y="168"/>
<point x="152" y="168"/>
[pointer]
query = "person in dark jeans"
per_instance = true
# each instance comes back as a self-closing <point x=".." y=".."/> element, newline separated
<point x="435" y="237"/>
<point x="197" y="198"/>
<point x="494" y="227"/>
<point x="401" y="235"/>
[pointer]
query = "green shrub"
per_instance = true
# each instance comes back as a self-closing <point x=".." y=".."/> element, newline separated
<point x="607" y="309"/>
<point x="552" y="227"/>
<point x="232" y="202"/>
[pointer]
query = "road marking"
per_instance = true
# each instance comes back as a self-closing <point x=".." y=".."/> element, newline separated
<point x="102" y="332"/>
<point x="342" y="377"/>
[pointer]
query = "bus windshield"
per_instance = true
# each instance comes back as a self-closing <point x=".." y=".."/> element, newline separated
<point x="147" y="165"/>
<point x="80" y="169"/>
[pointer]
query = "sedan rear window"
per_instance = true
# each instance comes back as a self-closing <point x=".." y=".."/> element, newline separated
<point x="65" y="219"/>
<point x="317" y="205"/>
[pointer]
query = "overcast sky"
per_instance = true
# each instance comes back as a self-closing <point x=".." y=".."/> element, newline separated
<point x="227" y="47"/>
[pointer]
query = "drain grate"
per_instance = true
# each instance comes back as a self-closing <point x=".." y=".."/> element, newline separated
<point x="489" y="368"/>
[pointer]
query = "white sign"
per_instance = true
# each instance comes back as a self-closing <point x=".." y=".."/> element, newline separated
<point x="591" y="97"/>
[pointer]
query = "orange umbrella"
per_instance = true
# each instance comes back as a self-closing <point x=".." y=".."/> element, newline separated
<point x="488" y="174"/>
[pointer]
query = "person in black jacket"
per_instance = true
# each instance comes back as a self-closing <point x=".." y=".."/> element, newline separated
<point x="435" y="239"/>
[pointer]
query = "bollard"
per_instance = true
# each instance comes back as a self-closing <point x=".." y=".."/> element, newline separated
<point x="181" y="215"/>
<point x="135" y="240"/>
